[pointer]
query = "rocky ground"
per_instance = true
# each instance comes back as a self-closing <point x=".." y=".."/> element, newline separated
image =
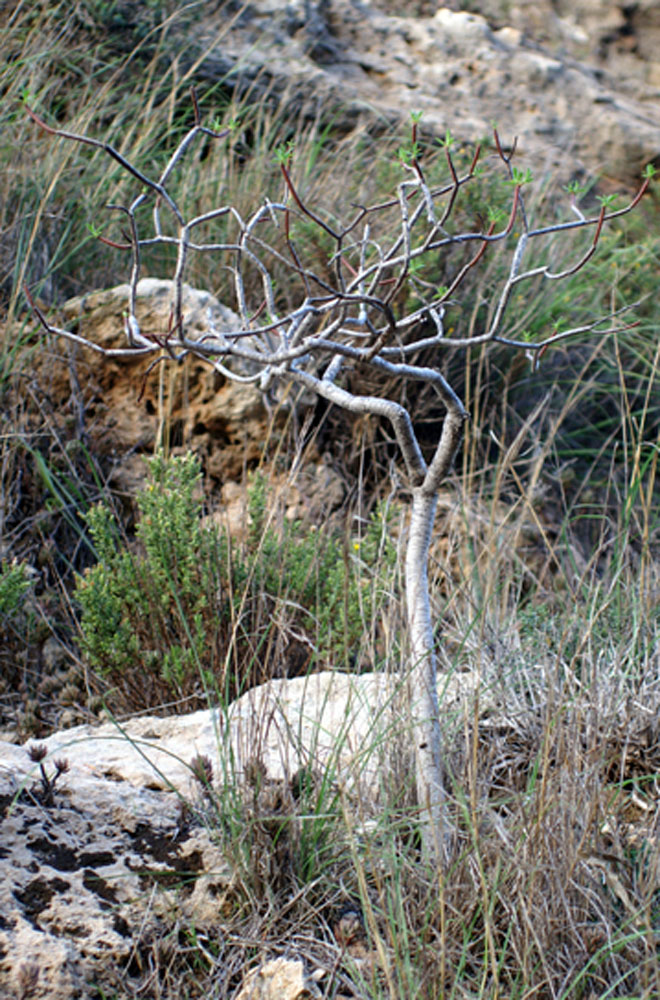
<point x="110" y="828"/>
<point x="578" y="84"/>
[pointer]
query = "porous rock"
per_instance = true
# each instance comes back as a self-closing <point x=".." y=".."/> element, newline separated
<point x="280" y="979"/>
<point x="126" y="408"/>
<point x="578" y="86"/>
<point x="94" y="860"/>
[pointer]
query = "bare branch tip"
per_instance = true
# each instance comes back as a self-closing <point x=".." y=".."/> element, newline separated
<point x="39" y="121"/>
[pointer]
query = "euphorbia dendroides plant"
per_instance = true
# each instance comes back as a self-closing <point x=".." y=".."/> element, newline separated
<point x="346" y="319"/>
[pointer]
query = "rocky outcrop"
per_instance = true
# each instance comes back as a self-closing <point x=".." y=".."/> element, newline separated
<point x="129" y="407"/>
<point x="91" y="868"/>
<point x="580" y="88"/>
<point x="109" y="832"/>
<point x="127" y="410"/>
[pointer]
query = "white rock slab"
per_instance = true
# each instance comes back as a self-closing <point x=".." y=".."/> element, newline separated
<point x="86" y="872"/>
<point x="344" y="720"/>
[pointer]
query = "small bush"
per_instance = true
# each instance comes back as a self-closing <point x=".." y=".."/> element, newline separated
<point x="14" y="585"/>
<point x="335" y="582"/>
<point x="144" y="610"/>
<point x="183" y="609"/>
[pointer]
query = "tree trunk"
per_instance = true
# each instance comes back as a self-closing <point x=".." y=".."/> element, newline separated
<point x="423" y="680"/>
<point x="423" y="674"/>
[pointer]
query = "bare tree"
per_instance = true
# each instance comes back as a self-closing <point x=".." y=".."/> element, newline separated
<point x="346" y="320"/>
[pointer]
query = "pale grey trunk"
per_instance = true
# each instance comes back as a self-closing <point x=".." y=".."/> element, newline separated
<point x="423" y="675"/>
<point x="423" y="679"/>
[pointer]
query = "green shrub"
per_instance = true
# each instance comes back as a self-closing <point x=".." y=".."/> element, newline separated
<point x="144" y="608"/>
<point x="182" y="608"/>
<point x="14" y="585"/>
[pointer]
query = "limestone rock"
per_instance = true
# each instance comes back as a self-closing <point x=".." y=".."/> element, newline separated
<point x="97" y="854"/>
<point x="325" y="718"/>
<point x="548" y="78"/>
<point x="281" y="979"/>
<point x="88" y="875"/>
<point x="331" y="720"/>
<point x="126" y="409"/>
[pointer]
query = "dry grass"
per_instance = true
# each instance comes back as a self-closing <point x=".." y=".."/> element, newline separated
<point x="552" y="890"/>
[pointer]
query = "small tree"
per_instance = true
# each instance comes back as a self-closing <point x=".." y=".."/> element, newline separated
<point x="351" y="318"/>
